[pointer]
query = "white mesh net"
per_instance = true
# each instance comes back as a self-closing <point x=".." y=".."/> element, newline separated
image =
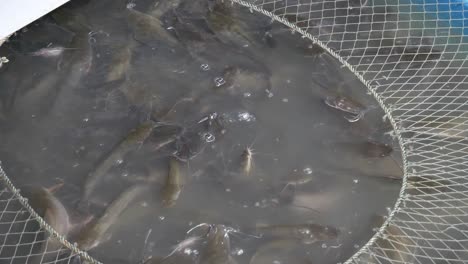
<point x="25" y="237"/>
<point x="414" y="63"/>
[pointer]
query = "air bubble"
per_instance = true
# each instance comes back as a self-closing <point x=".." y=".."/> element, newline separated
<point x="205" y="67"/>
<point x="355" y="180"/>
<point x="307" y="170"/>
<point x="219" y="81"/>
<point x="208" y="137"/>
<point x="3" y="60"/>
<point x="247" y="94"/>
<point x="245" y="116"/>
<point x="238" y="251"/>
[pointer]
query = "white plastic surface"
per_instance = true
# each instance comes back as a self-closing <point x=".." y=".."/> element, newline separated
<point x="15" y="14"/>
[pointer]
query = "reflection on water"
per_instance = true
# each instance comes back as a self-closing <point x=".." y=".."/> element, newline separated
<point x="188" y="131"/>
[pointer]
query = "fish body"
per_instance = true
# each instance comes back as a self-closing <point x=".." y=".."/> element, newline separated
<point x="287" y="194"/>
<point x="227" y="24"/>
<point x="455" y="127"/>
<point x="246" y="161"/>
<point x="375" y="149"/>
<point x="120" y="63"/>
<point x="218" y="247"/>
<point x="131" y="141"/>
<point x="163" y="6"/>
<point x="307" y="233"/>
<point x="297" y="178"/>
<point x="52" y="211"/>
<point x="244" y="81"/>
<point x="346" y="105"/>
<point x="189" y="144"/>
<point x="423" y="185"/>
<point x="397" y="247"/>
<point x="174" y="183"/>
<point x="93" y="233"/>
<point x="148" y="29"/>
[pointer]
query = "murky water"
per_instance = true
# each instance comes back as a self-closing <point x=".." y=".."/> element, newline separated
<point x="245" y="115"/>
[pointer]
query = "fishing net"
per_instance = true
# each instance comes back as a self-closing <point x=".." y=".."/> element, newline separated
<point x="411" y="55"/>
<point x="413" y="60"/>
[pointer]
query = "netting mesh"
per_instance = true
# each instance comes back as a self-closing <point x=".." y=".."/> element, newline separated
<point x="25" y="237"/>
<point x="415" y="65"/>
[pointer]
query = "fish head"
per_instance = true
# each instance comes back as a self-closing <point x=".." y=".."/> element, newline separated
<point x="345" y="104"/>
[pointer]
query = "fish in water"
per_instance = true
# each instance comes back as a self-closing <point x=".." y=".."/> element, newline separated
<point x="52" y="211"/>
<point x="298" y="178"/>
<point x="395" y="244"/>
<point x="306" y="233"/>
<point x="177" y="256"/>
<point x="174" y="183"/>
<point x="120" y="63"/>
<point x="190" y="241"/>
<point x="149" y="30"/>
<point x="244" y="82"/>
<point x="131" y="142"/>
<point x="223" y="20"/>
<point x="347" y="105"/>
<point x="93" y="233"/>
<point x="421" y="185"/>
<point x="218" y="247"/>
<point x="162" y="7"/>
<point x="374" y="149"/>
<point x="189" y="144"/>
<point x="246" y="161"/>
<point x="287" y="194"/>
